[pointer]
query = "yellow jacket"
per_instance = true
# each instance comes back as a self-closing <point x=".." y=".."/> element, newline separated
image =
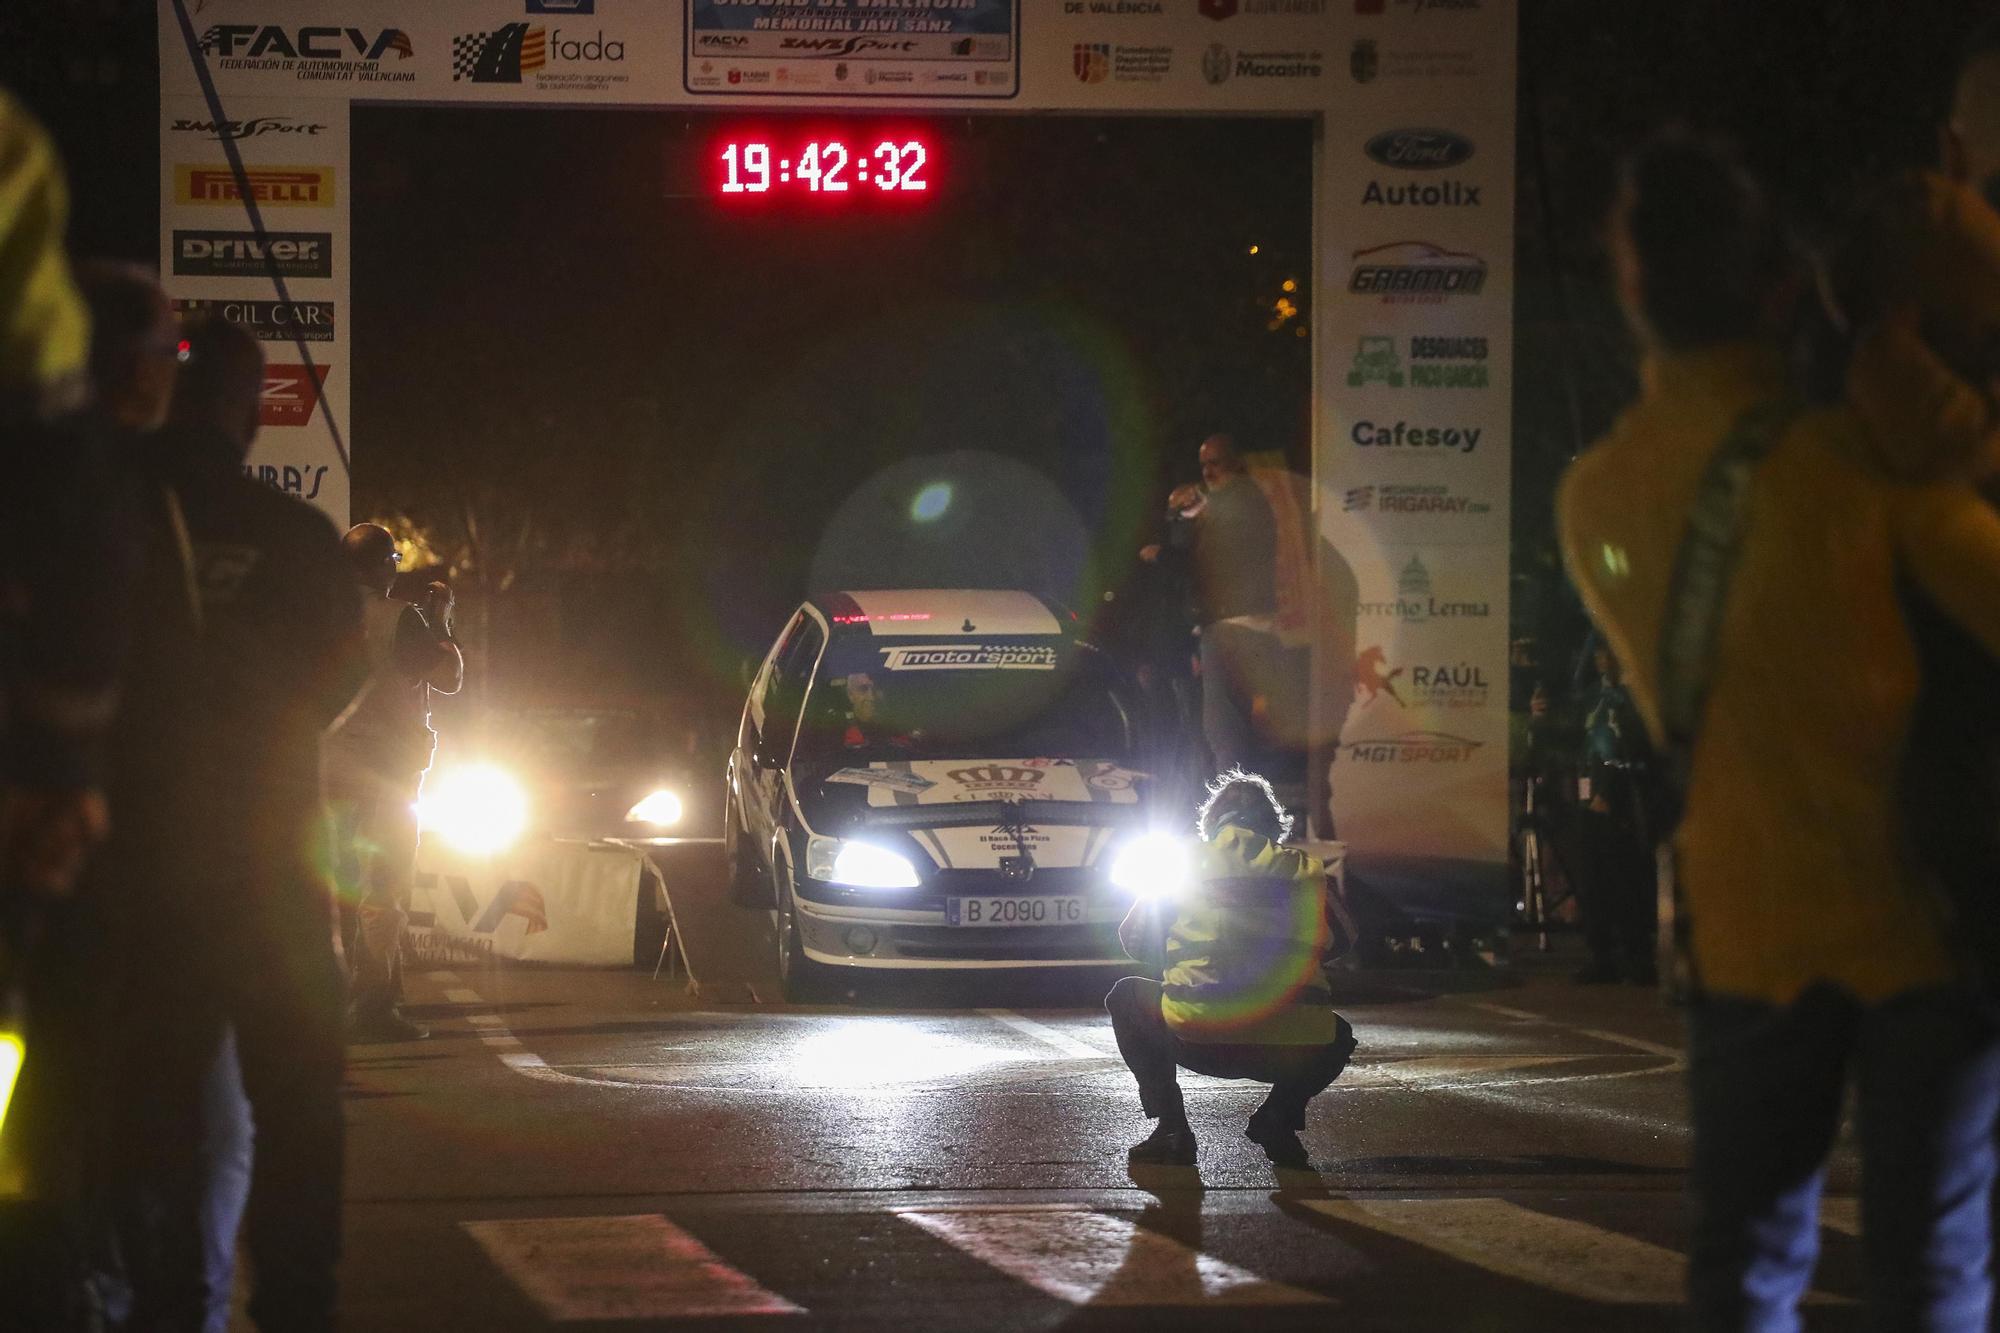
<point x="1789" y="851"/>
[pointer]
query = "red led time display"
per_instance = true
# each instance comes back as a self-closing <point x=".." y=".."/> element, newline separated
<point x="885" y="164"/>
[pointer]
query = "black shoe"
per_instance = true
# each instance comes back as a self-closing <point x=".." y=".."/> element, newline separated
<point x="1170" y="1144"/>
<point x="384" y="1026"/>
<point x="1281" y="1145"/>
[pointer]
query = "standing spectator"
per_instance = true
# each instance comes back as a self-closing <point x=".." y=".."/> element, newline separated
<point x="233" y="959"/>
<point x="1812" y="952"/>
<point x="1615" y="881"/>
<point x="1222" y="535"/>
<point x="377" y="762"/>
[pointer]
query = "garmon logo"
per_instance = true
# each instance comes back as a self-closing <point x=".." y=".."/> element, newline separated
<point x="1412" y="747"/>
<point x="1419" y="150"/>
<point x="242" y="254"/>
<point x="271" y="321"/>
<point x="1416" y="272"/>
<point x="969" y="657"/>
<point x="1001" y="776"/>
<point x="272" y="187"/>
<point x="255" y="128"/>
<point x="836" y="48"/>
<point x="1403" y="435"/>
<point x="1430" y="684"/>
<point x="290" y="394"/>
<point x="1416" y="600"/>
<point x="1435" y="194"/>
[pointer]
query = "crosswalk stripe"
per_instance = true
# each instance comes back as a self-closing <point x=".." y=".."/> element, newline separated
<point x="1092" y="1258"/>
<point x="640" y="1267"/>
<point x="1559" y="1253"/>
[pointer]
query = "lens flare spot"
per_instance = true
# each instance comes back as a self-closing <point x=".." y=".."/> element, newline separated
<point x="931" y="502"/>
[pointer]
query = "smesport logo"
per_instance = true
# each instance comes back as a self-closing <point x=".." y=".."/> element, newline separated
<point x="1416" y="272"/>
<point x="270" y="187"/>
<point x="319" y="54"/>
<point x="243" y="254"/>
<point x="270" y="321"/>
<point x="1402" y="435"/>
<point x="254" y="128"/>
<point x="290" y="394"/>
<point x="1419" y="149"/>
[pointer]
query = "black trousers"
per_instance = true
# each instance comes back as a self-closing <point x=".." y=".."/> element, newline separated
<point x="268" y="970"/>
<point x="1154" y="1054"/>
<point x="1616" y="888"/>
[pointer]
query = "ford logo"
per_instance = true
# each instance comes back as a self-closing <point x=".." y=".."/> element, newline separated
<point x="1419" y="150"/>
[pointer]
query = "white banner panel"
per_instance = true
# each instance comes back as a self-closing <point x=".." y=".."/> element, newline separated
<point x="544" y="902"/>
<point x="1411" y="294"/>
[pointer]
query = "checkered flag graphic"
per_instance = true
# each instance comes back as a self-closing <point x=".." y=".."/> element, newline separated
<point x="211" y="41"/>
<point x="465" y="53"/>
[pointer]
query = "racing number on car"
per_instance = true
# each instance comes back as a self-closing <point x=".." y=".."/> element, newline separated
<point x="1022" y="911"/>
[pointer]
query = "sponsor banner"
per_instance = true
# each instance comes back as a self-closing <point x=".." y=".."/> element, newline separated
<point x="290" y="394"/>
<point x="953" y="781"/>
<point x="244" y="254"/>
<point x="573" y="58"/>
<point x="366" y="56"/>
<point x="253" y="127"/>
<point x="213" y="184"/>
<point x="1422" y="361"/>
<point x="848" y="48"/>
<point x="545" y="902"/>
<point x="269" y="321"/>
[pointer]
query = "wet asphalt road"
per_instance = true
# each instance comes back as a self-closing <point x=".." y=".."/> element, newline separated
<point x="599" y="1149"/>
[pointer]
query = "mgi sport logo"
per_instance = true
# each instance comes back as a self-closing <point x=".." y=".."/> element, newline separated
<point x="1416" y="600"/>
<point x="1416" y="272"/>
<point x="244" y="254"/>
<point x="327" y="54"/>
<point x="1411" y="747"/>
<point x="508" y="52"/>
<point x="255" y="128"/>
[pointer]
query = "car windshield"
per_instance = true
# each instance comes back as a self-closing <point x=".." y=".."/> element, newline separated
<point x="874" y="703"/>
<point x="575" y="741"/>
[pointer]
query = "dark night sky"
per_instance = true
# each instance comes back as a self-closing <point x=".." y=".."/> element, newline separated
<point x="559" y="300"/>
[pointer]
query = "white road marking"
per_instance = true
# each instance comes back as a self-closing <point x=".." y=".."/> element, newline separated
<point x="1614" y="1038"/>
<point x="1048" y="1036"/>
<point x="643" y="1267"/>
<point x="1559" y="1253"/>
<point x="1090" y="1258"/>
<point x="1842" y="1214"/>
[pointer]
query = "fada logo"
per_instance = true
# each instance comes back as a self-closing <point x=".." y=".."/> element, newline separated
<point x="1215" y="61"/>
<point x="1364" y="60"/>
<point x="270" y="321"/>
<point x="1416" y="272"/>
<point x="513" y="50"/>
<point x="1416" y="600"/>
<point x="255" y="128"/>
<point x="1419" y="149"/>
<point x="1441" y="194"/>
<point x="290" y="394"/>
<point x="1402" y="435"/>
<point x="1411" y="747"/>
<point x="244" y="254"/>
<point x="318" y="54"/>
<point x="1375" y="362"/>
<point x="1091" y="62"/>
<point x="271" y="187"/>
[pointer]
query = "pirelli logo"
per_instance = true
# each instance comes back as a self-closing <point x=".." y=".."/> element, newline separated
<point x="270" y="187"/>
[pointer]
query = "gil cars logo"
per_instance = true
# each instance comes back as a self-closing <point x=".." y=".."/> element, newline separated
<point x="271" y="187"/>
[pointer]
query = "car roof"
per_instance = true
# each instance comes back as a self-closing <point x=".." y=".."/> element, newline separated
<point x="909" y="612"/>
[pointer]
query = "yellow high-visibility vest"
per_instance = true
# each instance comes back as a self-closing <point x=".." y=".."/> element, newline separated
<point x="1243" y="952"/>
<point x="44" y="329"/>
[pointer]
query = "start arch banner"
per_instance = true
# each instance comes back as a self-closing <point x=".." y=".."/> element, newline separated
<point x="1412" y="281"/>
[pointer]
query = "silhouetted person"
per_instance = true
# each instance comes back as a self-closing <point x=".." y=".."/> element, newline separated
<point x="376" y="764"/>
<point x="1242" y="993"/>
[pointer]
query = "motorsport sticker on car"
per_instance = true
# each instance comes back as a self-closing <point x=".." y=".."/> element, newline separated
<point x="907" y="783"/>
<point x="969" y="657"/>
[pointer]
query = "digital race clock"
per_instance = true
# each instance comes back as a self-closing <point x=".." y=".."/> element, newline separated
<point x="876" y="164"/>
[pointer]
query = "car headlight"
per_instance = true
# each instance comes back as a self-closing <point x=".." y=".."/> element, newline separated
<point x="478" y="809"/>
<point x="858" y="865"/>
<point x="1152" y="865"/>
<point x="660" y="808"/>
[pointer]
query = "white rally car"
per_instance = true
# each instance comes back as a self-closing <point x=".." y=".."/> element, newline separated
<point x="939" y="779"/>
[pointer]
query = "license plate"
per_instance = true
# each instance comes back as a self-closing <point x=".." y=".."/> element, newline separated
<point x="1004" y="911"/>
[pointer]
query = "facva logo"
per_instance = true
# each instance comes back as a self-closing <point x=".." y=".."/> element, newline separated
<point x="1091" y="62"/>
<point x="1375" y="362"/>
<point x="1416" y="272"/>
<point x="272" y="187"/>
<point x="1448" y="363"/>
<point x="319" y="54"/>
